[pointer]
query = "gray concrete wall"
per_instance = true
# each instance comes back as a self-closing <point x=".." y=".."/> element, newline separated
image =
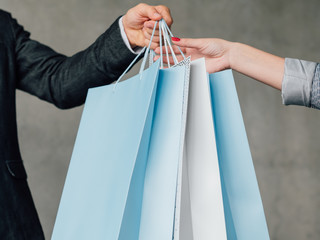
<point x="284" y="140"/>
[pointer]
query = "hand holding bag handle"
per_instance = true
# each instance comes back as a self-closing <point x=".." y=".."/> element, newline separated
<point x="164" y="32"/>
<point x="136" y="58"/>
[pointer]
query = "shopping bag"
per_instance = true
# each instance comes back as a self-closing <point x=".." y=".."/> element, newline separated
<point x="199" y="210"/>
<point x="111" y="147"/>
<point x="201" y="181"/>
<point x="121" y="181"/>
<point x="166" y="145"/>
<point x="165" y="152"/>
<point x="244" y="214"/>
<point x="109" y="160"/>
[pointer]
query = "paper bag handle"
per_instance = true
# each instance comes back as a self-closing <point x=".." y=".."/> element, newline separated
<point x="135" y="59"/>
<point x="164" y="31"/>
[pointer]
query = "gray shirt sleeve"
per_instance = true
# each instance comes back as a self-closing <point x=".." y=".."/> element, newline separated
<point x="297" y="82"/>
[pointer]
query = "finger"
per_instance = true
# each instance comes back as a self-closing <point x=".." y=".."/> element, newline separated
<point x="149" y="26"/>
<point x="156" y="57"/>
<point x="175" y="50"/>
<point x="165" y="61"/>
<point x="148" y="12"/>
<point x="153" y="45"/>
<point x="179" y="58"/>
<point x="171" y="61"/>
<point x="148" y="36"/>
<point x="188" y="42"/>
<point x="165" y="13"/>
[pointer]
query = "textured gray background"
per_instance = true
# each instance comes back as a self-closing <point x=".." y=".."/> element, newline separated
<point x="284" y="140"/>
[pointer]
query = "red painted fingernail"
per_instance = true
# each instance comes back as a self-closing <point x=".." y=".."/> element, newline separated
<point x="175" y="39"/>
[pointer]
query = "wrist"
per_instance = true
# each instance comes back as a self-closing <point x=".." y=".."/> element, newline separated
<point x="233" y="49"/>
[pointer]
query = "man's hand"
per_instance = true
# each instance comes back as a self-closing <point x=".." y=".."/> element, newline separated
<point x="139" y="21"/>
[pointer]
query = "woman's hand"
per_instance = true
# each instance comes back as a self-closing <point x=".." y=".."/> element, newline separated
<point x="221" y="54"/>
<point x="215" y="51"/>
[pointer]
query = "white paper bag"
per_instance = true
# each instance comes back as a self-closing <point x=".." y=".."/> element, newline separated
<point x="200" y="210"/>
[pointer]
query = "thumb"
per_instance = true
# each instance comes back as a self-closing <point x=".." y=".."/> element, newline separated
<point x="187" y="42"/>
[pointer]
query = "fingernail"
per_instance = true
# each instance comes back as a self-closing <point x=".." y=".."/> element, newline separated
<point x="156" y="15"/>
<point x="175" y="39"/>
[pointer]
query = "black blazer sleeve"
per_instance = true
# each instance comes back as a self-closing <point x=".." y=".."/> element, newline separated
<point x="62" y="80"/>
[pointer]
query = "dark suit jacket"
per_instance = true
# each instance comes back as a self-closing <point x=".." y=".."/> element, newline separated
<point x="35" y="68"/>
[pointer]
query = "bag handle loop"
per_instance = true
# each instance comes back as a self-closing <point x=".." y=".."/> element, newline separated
<point x="145" y="50"/>
<point x="171" y="35"/>
<point x="164" y="31"/>
<point x="167" y="40"/>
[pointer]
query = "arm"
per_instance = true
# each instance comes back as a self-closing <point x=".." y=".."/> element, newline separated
<point x="293" y="77"/>
<point x="64" y="80"/>
<point x="221" y="54"/>
<point x="262" y="66"/>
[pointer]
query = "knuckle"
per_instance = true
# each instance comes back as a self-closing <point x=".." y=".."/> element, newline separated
<point x="146" y="36"/>
<point x="163" y="7"/>
<point x="146" y="33"/>
<point x="141" y="5"/>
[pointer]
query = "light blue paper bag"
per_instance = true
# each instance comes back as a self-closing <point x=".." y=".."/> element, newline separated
<point x="245" y="219"/>
<point x="158" y="209"/>
<point x="108" y="162"/>
<point x="166" y="149"/>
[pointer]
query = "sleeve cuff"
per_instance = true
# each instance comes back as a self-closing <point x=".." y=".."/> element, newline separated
<point x="136" y="50"/>
<point x="297" y="82"/>
<point x="315" y="92"/>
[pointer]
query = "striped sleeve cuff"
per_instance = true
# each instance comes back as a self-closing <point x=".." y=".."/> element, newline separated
<point x="297" y="82"/>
